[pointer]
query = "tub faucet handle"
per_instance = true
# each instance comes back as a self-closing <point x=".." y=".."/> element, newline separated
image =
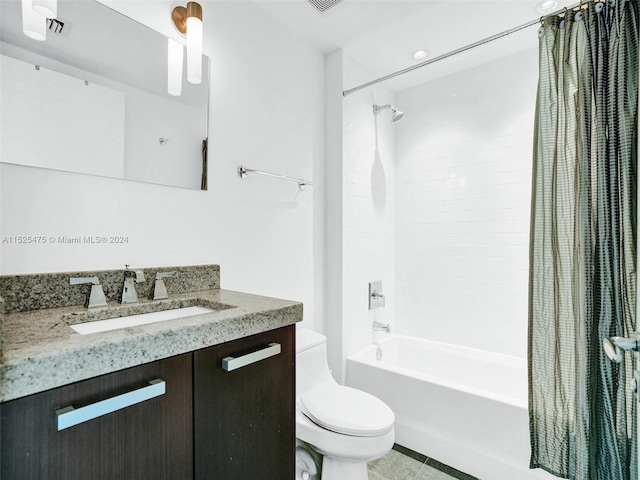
<point x="376" y="297"/>
<point x="97" y="298"/>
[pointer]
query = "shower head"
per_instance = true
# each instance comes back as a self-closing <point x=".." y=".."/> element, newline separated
<point x="396" y="115"/>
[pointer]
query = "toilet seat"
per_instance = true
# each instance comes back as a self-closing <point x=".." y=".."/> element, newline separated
<point x="347" y="410"/>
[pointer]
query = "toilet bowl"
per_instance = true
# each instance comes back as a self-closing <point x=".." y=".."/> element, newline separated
<point x="345" y="426"/>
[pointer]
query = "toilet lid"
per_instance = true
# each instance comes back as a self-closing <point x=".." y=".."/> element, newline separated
<point x="347" y="410"/>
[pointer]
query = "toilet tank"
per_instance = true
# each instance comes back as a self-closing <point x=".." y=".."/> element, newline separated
<point x="311" y="360"/>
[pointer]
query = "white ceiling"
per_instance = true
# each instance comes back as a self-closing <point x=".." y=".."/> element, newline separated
<point x="381" y="34"/>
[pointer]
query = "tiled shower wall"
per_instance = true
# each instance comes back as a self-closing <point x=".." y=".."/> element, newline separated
<point x="463" y="180"/>
<point x="369" y="209"/>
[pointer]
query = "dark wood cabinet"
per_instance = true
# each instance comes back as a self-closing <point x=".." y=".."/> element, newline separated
<point x="148" y="440"/>
<point x="209" y="424"/>
<point x="244" y="423"/>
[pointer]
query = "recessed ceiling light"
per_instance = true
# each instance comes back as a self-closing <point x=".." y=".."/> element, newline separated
<point x="547" y="6"/>
<point x="420" y="54"/>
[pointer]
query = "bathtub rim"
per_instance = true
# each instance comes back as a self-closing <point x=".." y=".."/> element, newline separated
<point x="366" y="356"/>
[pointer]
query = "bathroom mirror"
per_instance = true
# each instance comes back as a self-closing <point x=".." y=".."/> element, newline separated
<point x="92" y="98"/>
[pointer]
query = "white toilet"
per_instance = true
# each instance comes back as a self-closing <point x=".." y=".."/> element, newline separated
<point x="348" y="427"/>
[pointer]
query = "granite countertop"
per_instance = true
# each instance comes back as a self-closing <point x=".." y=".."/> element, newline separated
<point x="41" y="351"/>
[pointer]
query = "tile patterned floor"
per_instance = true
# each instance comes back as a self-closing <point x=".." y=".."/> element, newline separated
<point x="404" y="464"/>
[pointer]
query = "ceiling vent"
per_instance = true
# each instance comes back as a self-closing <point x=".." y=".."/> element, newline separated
<point x="58" y="27"/>
<point x="324" y="5"/>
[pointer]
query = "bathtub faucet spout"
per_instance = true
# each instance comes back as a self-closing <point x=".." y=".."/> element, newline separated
<point x="382" y="327"/>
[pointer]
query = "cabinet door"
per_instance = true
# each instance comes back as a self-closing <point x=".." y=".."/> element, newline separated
<point x="148" y="440"/>
<point x="244" y="419"/>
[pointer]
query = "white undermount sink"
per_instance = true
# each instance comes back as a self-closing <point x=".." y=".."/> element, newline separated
<point x="140" y="319"/>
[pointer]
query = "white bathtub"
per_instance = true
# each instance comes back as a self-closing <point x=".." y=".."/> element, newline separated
<point x="466" y="408"/>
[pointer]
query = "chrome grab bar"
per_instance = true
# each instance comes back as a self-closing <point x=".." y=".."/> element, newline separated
<point x="70" y="417"/>
<point x="233" y="363"/>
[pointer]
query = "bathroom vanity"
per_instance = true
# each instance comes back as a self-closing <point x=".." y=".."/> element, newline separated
<point x="208" y="396"/>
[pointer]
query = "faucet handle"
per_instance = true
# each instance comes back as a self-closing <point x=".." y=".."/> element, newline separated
<point x="138" y="275"/>
<point x="97" y="298"/>
<point x="161" y="275"/>
<point x="159" y="288"/>
<point x="376" y="297"/>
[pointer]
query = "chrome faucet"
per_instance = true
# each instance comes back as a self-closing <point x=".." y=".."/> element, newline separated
<point x="97" y="298"/>
<point x="159" y="288"/>
<point x="381" y="327"/>
<point x="131" y="277"/>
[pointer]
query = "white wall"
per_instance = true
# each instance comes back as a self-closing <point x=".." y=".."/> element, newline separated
<point x="266" y="112"/>
<point x="71" y="111"/>
<point x="369" y="208"/>
<point x="67" y="117"/>
<point x="335" y="179"/>
<point x="463" y="180"/>
<point x="179" y="161"/>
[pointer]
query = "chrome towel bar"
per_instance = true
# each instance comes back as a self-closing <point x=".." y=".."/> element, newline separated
<point x="244" y="171"/>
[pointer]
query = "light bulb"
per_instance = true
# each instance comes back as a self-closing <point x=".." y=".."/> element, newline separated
<point x="194" y="50"/>
<point x="547" y="6"/>
<point x="420" y="54"/>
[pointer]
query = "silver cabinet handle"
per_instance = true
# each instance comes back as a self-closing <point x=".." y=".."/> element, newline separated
<point x="232" y="363"/>
<point x="69" y="416"/>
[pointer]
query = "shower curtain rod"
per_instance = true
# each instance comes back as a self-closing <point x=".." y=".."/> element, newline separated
<point x="464" y="49"/>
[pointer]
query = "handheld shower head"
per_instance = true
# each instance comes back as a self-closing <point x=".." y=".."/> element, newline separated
<point x="396" y="115"/>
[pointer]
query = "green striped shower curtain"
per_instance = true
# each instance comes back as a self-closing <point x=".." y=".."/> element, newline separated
<point x="583" y="243"/>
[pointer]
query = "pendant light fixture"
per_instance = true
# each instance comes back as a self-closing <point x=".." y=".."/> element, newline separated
<point x="189" y="21"/>
<point x="34" y="25"/>
<point x="175" y="55"/>
<point x="46" y="8"/>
